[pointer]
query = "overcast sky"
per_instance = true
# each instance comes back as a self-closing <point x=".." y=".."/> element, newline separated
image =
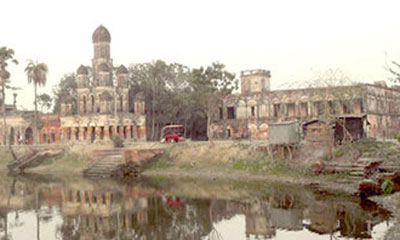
<point x="292" y="39"/>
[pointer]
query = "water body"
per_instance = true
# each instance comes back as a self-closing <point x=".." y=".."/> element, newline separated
<point x="49" y="207"/>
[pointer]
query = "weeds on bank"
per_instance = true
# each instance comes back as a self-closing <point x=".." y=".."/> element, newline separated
<point x="267" y="165"/>
<point x="160" y="164"/>
<point x="185" y="166"/>
<point x="68" y="162"/>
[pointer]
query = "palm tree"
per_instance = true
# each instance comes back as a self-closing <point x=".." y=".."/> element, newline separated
<point x="6" y="55"/>
<point x="36" y="73"/>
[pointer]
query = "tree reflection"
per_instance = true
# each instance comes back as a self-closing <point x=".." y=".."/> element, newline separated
<point x="92" y="210"/>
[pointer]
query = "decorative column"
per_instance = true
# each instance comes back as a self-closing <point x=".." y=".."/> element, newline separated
<point x="106" y="132"/>
<point x="73" y="133"/>
<point x="128" y="132"/>
<point x="98" y="130"/>
<point x="137" y="133"/>
<point x="297" y="109"/>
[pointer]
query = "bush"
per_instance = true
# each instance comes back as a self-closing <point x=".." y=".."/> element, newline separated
<point x="398" y="138"/>
<point x="118" y="142"/>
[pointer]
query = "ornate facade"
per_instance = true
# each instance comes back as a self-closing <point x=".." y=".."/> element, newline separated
<point x="104" y="106"/>
<point x="250" y="112"/>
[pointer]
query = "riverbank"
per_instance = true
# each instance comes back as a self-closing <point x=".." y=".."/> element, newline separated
<point x="244" y="160"/>
<point x="230" y="161"/>
<point x="241" y="161"/>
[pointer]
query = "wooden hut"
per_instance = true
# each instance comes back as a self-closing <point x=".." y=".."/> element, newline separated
<point x="350" y="127"/>
<point x="318" y="132"/>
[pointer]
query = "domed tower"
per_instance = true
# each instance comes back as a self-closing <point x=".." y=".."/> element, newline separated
<point x="122" y="76"/>
<point x="101" y="43"/>
<point x="82" y="75"/>
<point x="104" y="77"/>
<point x="123" y="90"/>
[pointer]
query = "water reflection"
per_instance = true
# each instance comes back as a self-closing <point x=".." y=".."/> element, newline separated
<point x="37" y="207"/>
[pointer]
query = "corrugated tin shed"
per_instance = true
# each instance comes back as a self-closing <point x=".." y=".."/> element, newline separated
<point x="284" y="133"/>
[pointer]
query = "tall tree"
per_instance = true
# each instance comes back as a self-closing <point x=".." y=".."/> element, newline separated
<point x="6" y="55"/>
<point x="162" y="85"/>
<point x="37" y="74"/>
<point x="66" y="88"/>
<point x="211" y="86"/>
<point x="335" y="94"/>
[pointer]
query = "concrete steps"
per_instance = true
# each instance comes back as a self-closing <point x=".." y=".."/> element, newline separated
<point x="105" y="161"/>
<point x="363" y="168"/>
<point x="120" y="162"/>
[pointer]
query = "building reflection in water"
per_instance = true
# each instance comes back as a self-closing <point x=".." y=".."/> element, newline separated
<point x="110" y="210"/>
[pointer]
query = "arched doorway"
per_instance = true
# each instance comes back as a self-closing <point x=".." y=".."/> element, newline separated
<point x="76" y="133"/>
<point x="101" y="133"/>
<point x="93" y="135"/>
<point x="110" y="132"/>
<point x="53" y="137"/>
<point x="124" y="131"/>
<point x="85" y="133"/>
<point x="29" y="136"/>
<point x="131" y="131"/>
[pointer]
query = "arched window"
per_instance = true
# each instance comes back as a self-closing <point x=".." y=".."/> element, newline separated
<point x="93" y="103"/>
<point x="84" y="104"/>
<point x="121" y="103"/>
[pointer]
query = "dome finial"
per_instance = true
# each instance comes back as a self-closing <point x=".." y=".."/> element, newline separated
<point x="101" y="34"/>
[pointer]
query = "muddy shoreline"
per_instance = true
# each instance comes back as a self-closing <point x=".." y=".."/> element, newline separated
<point x="319" y="183"/>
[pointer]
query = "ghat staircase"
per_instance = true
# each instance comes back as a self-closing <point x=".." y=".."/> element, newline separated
<point x="364" y="168"/>
<point x="105" y="162"/>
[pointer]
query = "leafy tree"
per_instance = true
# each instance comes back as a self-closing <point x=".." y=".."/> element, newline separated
<point x="211" y="85"/>
<point x="6" y="55"/>
<point x="335" y="94"/>
<point x="164" y="86"/>
<point x="36" y="73"/>
<point x="44" y="101"/>
<point x="66" y="88"/>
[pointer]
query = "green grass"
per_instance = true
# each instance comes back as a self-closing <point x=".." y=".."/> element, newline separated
<point x="267" y="165"/>
<point x="185" y="166"/>
<point x="160" y="164"/>
<point x="68" y="162"/>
